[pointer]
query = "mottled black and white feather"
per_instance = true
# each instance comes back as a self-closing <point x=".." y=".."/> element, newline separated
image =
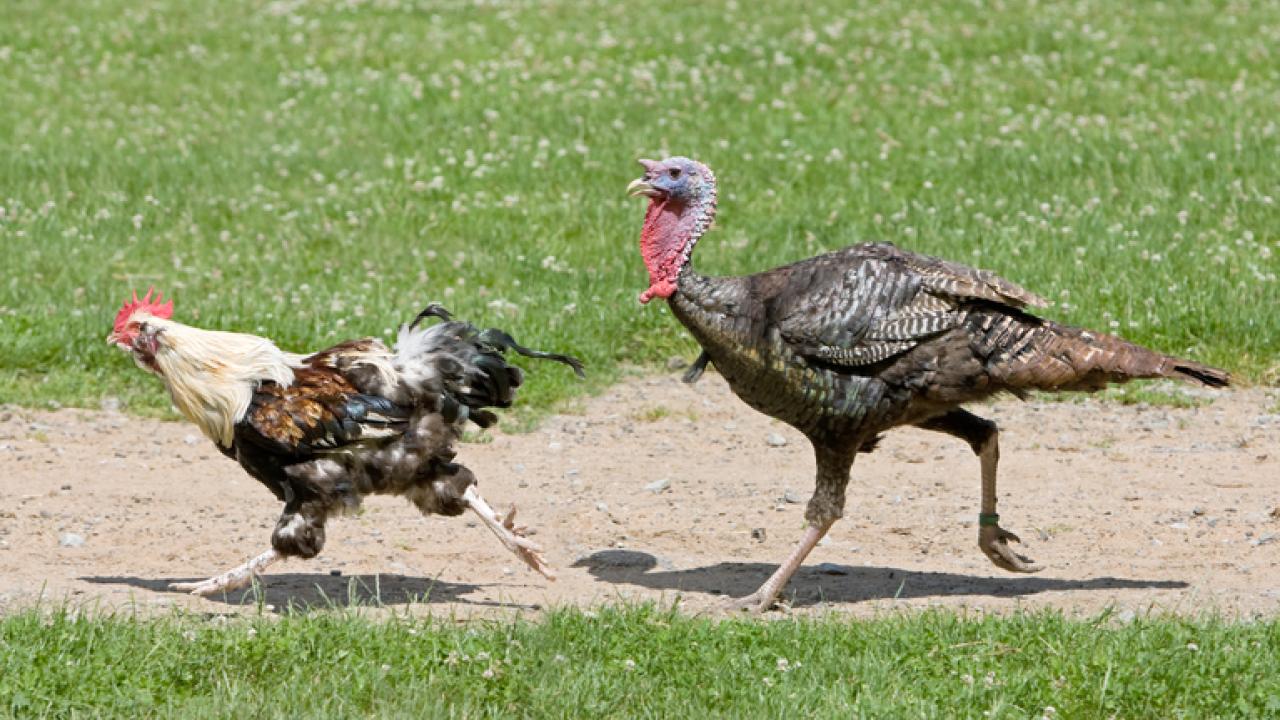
<point x="360" y="418"/>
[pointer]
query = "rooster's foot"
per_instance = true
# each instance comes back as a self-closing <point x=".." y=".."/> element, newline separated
<point x="214" y="585"/>
<point x="233" y="579"/>
<point x="511" y="535"/>
<point x="994" y="541"/>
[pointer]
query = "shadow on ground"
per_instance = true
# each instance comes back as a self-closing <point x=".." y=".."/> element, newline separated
<point x="303" y="592"/>
<point x="835" y="583"/>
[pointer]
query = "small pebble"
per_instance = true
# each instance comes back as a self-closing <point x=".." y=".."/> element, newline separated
<point x="191" y="439"/>
<point x="792" y="496"/>
<point x="658" y="486"/>
<point x="602" y="507"/>
<point x="776" y="440"/>
<point x="676" y="363"/>
<point x="831" y="569"/>
<point x="758" y="534"/>
<point x="71" y="540"/>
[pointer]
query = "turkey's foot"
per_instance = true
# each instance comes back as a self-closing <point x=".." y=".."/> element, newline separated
<point x="763" y="599"/>
<point x="230" y="580"/>
<point x="757" y="603"/>
<point x="511" y="535"/>
<point x="994" y="541"/>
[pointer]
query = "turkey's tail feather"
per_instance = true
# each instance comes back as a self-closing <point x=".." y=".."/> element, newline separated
<point x="1027" y="353"/>
<point x="1203" y="374"/>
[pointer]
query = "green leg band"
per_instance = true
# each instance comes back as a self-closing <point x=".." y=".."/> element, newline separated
<point x="988" y="520"/>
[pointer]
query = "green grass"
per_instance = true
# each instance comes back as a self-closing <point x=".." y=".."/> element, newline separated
<point x="639" y="662"/>
<point x="312" y="171"/>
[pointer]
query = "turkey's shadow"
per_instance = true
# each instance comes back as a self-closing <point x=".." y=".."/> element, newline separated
<point x="835" y="583"/>
<point x="303" y="592"/>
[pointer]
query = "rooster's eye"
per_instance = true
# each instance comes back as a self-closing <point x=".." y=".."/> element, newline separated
<point x="674" y="173"/>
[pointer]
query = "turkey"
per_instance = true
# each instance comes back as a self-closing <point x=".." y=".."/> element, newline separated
<point x="847" y="345"/>
<point x="321" y="431"/>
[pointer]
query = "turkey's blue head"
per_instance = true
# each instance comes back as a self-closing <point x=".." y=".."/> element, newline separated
<point x="682" y="204"/>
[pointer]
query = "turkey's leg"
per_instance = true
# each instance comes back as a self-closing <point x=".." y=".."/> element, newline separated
<point x="763" y="599"/>
<point x="983" y="436"/>
<point x="825" y="507"/>
<point x="230" y="580"/>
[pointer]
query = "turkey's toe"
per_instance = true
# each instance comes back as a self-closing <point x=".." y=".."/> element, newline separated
<point x="757" y="603"/>
<point x="994" y="541"/>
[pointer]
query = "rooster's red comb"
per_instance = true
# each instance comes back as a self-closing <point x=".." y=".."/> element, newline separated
<point x="157" y="307"/>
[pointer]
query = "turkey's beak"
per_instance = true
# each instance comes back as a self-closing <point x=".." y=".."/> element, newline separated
<point x="640" y="186"/>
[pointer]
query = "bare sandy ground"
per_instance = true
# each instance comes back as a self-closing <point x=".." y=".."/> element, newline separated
<point x="1134" y="508"/>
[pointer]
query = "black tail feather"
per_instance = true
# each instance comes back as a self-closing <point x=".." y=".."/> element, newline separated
<point x="477" y="375"/>
<point x="1209" y="376"/>
<point x="502" y="341"/>
<point x="431" y="310"/>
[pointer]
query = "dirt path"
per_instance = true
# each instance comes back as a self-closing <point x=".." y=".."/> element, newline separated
<point x="1132" y="507"/>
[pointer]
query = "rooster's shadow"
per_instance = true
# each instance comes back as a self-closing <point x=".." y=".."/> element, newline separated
<point x="829" y="583"/>
<point x="304" y="592"/>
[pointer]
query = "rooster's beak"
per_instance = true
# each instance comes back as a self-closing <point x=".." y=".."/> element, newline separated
<point x="117" y="340"/>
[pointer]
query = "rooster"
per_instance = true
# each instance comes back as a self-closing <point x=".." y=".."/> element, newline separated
<point x="846" y="345"/>
<point x="321" y="431"/>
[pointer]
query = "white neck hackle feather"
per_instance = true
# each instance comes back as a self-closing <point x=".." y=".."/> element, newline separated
<point x="212" y="375"/>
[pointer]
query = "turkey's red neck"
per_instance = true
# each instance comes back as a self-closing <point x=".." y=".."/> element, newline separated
<point x="671" y="229"/>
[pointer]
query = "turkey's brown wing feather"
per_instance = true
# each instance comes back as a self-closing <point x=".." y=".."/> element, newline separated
<point x="867" y="303"/>
<point x="946" y="278"/>
<point x="320" y="412"/>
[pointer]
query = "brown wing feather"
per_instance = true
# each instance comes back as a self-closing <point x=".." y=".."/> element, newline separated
<point x="361" y="362"/>
<point x="943" y="277"/>
<point x="866" y="303"/>
<point x="321" y="411"/>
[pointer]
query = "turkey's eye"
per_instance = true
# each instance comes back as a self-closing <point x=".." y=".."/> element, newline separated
<point x="674" y="173"/>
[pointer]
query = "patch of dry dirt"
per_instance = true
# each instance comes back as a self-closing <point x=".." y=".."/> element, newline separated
<point x="1132" y="507"/>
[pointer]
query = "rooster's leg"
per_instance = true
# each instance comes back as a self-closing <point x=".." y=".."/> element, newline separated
<point x="231" y="579"/>
<point x="511" y="535"/>
<point x="761" y="600"/>
<point x="983" y="436"/>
